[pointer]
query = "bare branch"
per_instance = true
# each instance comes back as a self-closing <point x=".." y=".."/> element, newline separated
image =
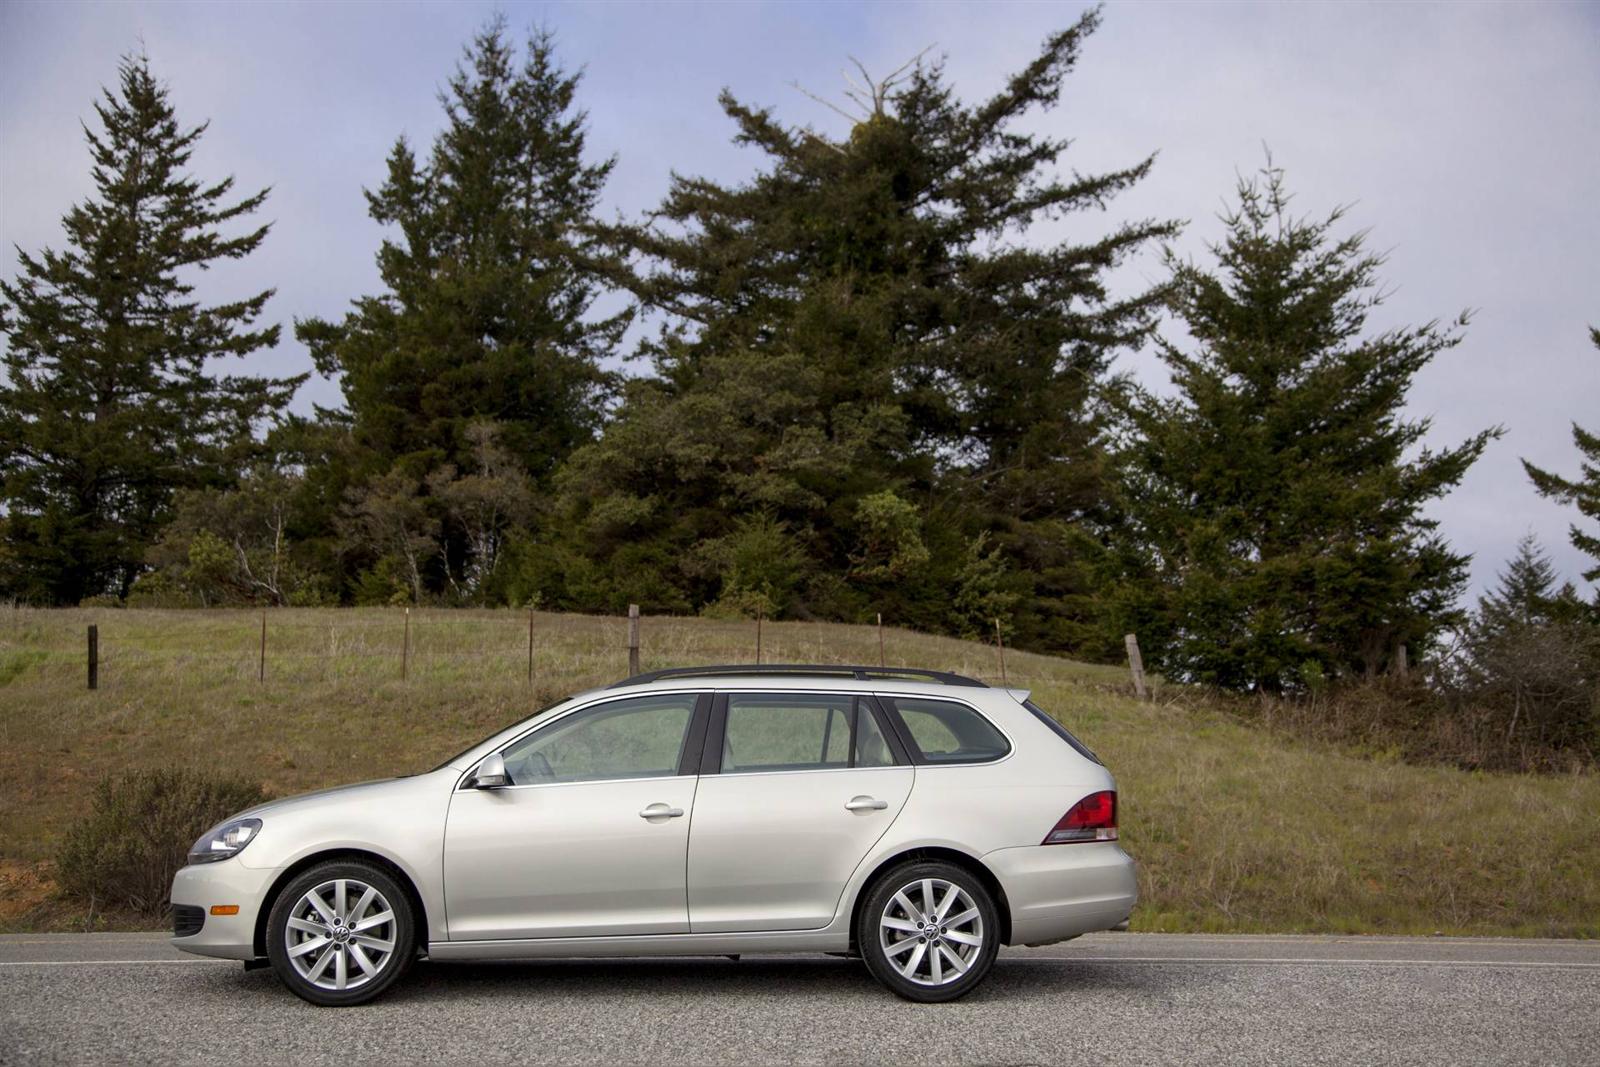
<point x="817" y="137"/>
<point x="825" y="103"/>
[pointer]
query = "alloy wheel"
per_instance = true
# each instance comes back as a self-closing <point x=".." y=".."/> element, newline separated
<point x="931" y="931"/>
<point x="341" y="934"/>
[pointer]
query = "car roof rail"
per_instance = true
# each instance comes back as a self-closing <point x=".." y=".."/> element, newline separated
<point x="779" y="670"/>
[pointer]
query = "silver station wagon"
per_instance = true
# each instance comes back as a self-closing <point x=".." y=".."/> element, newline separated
<point x="916" y="819"/>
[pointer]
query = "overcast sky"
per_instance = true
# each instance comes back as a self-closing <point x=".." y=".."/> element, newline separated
<point x="1466" y="137"/>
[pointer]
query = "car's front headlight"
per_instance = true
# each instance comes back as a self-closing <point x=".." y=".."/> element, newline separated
<point x="224" y="841"/>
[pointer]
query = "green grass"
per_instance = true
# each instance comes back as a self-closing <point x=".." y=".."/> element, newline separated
<point x="1235" y="828"/>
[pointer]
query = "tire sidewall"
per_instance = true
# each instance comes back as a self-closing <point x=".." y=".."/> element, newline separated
<point x="405" y="932"/>
<point x="878" y="896"/>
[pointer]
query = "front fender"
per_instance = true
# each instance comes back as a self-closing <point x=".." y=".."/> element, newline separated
<point x="401" y="820"/>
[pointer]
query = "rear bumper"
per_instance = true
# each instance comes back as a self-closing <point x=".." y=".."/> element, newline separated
<point x="1060" y="891"/>
<point x="229" y="937"/>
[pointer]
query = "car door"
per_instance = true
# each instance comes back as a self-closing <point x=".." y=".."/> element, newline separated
<point x="795" y="788"/>
<point x="591" y="835"/>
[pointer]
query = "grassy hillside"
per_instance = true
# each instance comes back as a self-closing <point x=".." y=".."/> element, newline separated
<point x="1235" y="828"/>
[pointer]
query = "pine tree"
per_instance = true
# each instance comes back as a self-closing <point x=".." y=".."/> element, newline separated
<point x="1279" y="494"/>
<point x="111" y="402"/>
<point x="1582" y="492"/>
<point x="870" y="327"/>
<point x="1527" y="594"/>
<point x="1530" y="664"/>
<point x="1526" y="590"/>
<point x="485" y="313"/>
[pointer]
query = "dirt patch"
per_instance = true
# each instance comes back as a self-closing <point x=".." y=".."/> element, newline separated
<point x="26" y="890"/>
<point x="31" y="903"/>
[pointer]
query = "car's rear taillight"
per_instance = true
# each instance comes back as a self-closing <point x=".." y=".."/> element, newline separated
<point x="1094" y="818"/>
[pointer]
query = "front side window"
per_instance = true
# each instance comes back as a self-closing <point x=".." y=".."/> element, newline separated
<point x="800" y="732"/>
<point x="942" y="731"/>
<point x="640" y="737"/>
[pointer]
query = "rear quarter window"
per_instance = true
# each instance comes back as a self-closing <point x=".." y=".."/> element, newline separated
<point x="1062" y="732"/>
<point x="943" y="731"/>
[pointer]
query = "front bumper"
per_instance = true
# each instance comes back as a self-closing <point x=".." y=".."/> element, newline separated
<point x="206" y="885"/>
<point x="1060" y="891"/>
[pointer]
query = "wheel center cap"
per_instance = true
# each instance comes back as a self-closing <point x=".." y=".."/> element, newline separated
<point x="930" y="931"/>
<point x="341" y="934"/>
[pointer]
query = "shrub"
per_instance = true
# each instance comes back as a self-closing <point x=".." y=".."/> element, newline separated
<point x="759" y="566"/>
<point x="889" y="538"/>
<point x="1421" y="720"/>
<point x="383" y="584"/>
<point x="157" y="589"/>
<point x="140" y="827"/>
<point x="982" y="592"/>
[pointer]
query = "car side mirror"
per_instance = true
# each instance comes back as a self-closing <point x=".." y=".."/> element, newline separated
<point x="491" y="773"/>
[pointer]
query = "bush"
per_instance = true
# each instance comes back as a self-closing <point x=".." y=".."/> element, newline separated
<point x="1420" y="720"/>
<point x="157" y="589"/>
<point x="124" y="854"/>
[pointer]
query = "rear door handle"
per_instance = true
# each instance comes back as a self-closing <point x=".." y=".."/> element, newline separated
<point x="865" y="803"/>
<point x="660" y="811"/>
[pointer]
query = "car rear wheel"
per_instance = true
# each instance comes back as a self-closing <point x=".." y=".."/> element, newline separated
<point x="341" y="933"/>
<point x="929" y="931"/>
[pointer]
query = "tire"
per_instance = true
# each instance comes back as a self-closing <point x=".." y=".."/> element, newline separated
<point x="358" y="943"/>
<point x="894" y="933"/>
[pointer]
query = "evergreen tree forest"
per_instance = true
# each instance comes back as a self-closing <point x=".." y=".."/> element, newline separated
<point x="879" y="373"/>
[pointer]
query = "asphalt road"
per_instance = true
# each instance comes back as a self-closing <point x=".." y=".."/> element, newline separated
<point x="1105" y="999"/>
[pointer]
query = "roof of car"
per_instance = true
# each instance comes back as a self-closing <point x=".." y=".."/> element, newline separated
<point x="774" y="671"/>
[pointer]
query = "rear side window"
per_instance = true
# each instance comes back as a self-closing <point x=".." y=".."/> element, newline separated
<point x="942" y="731"/>
<point x="800" y="732"/>
<point x="1061" y="731"/>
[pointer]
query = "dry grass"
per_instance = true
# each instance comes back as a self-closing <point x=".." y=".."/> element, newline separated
<point x="1235" y="827"/>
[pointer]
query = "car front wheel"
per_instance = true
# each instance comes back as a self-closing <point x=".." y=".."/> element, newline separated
<point x="929" y="931"/>
<point x="341" y="933"/>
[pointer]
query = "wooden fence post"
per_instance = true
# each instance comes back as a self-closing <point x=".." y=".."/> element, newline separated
<point x="633" y="640"/>
<point x="1400" y="664"/>
<point x="405" y="648"/>
<point x="94" y="656"/>
<point x="1135" y="664"/>
<point x="1000" y="650"/>
<point x="881" y="661"/>
<point x="530" y="646"/>
<point x="261" y="669"/>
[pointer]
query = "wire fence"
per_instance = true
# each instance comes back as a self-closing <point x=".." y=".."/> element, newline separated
<point x="107" y="647"/>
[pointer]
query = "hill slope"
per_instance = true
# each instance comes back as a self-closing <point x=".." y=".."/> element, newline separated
<point x="1234" y="828"/>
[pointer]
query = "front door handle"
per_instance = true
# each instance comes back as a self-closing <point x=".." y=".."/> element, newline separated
<point x="660" y="811"/>
<point x="865" y="803"/>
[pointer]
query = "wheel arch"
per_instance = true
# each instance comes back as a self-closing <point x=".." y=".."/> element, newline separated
<point x="300" y="866"/>
<point x="971" y="864"/>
